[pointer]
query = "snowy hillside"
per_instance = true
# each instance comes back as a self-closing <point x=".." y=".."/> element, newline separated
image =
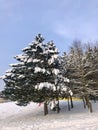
<point x="13" y="117"/>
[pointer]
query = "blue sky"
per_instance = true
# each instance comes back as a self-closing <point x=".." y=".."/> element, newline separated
<point x="60" y="20"/>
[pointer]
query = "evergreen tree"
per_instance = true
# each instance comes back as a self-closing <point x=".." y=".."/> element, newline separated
<point x="91" y="69"/>
<point x="36" y="77"/>
<point x="65" y="90"/>
<point x="74" y="66"/>
<point x="75" y="72"/>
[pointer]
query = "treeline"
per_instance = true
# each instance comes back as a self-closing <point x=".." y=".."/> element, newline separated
<point x="42" y="75"/>
<point x="82" y="69"/>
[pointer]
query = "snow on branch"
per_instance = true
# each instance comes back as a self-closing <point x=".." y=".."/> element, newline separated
<point x="38" y="69"/>
<point x="21" y="57"/>
<point x="66" y="80"/>
<point x="36" y="60"/>
<point x="17" y="64"/>
<point x="45" y="85"/>
<point x="26" y="49"/>
<point x="56" y="71"/>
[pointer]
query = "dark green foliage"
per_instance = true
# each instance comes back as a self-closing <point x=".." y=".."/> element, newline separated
<point x="35" y="66"/>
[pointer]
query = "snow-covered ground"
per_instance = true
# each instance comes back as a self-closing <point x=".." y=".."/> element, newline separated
<point x="31" y="117"/>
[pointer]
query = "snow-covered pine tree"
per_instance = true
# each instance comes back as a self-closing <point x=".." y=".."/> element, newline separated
<point x="95" y="73"/>
<point x="75" y="72"/>
<point x="64" y="83"/>
<point x="59" y="80"/>
<point x="72" y="61"/>
<point x="33" y="77"/>
<point x="47" y="87"/>
<point x="20" y="81"/>
<point x="91" y="70"/>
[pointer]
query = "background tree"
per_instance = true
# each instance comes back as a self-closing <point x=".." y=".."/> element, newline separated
<point x="66" y="91"/>
<point x="91" y="69"/>
<point x="75" y="72"/>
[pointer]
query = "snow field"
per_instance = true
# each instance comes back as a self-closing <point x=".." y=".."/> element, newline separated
<point x="31" y="117"/>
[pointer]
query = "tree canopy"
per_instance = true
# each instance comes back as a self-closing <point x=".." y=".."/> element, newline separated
<point x="41" y="74"/>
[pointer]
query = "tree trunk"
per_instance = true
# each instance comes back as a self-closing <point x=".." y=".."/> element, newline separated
<point x="58" y="108"/>
<point x="94" y="98"/>
<point x="88" y="103"/>
<point x="71" y="101"/>
<point x="68" y="103"/>
<point x="45" y="108"/>
<point x="90" y="107"/>
<point x="84" y="102"/>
